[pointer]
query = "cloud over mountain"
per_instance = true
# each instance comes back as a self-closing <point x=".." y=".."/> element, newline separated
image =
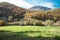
<point x="20" y="3"/>
<point x="47" y="4"/>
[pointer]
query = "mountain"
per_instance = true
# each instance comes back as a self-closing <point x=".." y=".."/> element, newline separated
<point x="39" y="8"/>
<point x="11" y="12"/>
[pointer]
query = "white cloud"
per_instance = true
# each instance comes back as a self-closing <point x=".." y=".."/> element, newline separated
<point x="20" y="3"/>
<point x="47" y="4"/>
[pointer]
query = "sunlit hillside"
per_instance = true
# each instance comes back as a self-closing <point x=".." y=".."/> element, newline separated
<point x="10" y="13"/>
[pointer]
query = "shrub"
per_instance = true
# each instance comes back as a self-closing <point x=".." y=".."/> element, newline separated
<point x="31" y="21"/>
<point x="49" y="22"/>
<point x="2" y="23"/>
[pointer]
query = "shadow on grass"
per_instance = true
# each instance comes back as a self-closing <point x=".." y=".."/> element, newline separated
<point x="9" y="35"/>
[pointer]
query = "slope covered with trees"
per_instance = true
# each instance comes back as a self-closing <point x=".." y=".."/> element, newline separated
<point x="10" y="14"/>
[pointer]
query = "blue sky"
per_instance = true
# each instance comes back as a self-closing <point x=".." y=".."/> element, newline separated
<point x="47" y="3"/>
<point x="31" y="3"/>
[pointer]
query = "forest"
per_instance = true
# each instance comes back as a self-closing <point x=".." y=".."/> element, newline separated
<point x="13" y="15"/>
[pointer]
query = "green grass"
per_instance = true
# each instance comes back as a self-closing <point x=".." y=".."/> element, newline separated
<point x="29" y="33"/>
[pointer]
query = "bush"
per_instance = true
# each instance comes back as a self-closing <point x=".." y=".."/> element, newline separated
<point x="31" y="21"/>
<point x="49" y="22"/>
<point x="2" y="23"/>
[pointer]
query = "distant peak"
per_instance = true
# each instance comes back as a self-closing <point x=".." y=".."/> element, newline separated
<point x="39" y="8"/>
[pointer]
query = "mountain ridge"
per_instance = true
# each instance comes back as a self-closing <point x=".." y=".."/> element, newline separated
<point x="43" y="8"/>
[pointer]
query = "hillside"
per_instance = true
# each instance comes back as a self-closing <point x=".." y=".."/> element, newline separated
<point x="10" y="12"/>
<point x="13" y="13"/>
<point x="50" y="14"/>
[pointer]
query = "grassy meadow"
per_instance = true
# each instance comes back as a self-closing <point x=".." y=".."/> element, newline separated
<point x="30" y="33"/>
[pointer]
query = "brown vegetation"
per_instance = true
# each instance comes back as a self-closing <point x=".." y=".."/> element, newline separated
<point x="12" y="13"/>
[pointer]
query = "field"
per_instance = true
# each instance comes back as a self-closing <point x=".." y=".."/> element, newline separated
<point x="30" y="33"/>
